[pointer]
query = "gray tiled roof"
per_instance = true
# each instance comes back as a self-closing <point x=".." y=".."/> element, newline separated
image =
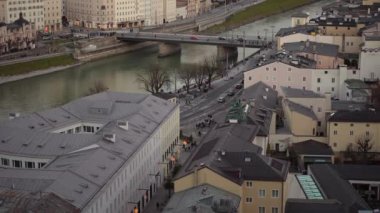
<point x="304" y="29"/>
<point x="313" y="206"/>
<point x="358" y="172"/>
<point x="312" y="47"/>
<point x="225" y="151"/>
<point x="355" y="116"/>
<point x="301" y="109"/>
<point x="312" y="147"/>
<point x="300" y="93"/>
<point x="203" y="196"/>
<point x="334" y="187"/>
<point x="81" y="163"/>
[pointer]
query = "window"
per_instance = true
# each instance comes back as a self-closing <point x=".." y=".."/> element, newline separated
<point x="326" y="72"/>
<point x="40" y="165"/>
<point x="275" y="193"/>
<point x="335" y="124"/>
<point x="351" y="132"/>
<point x="319" y="109"/>
<point x="354" y="72"/>
<point x="332" y="89"/>
<point x="319" y="123"/>
<point x="249" y="78"/>
<point x="267" y="68"/>
<point x="4" y="162"/>
<point x="30" y="165"/>
<point x="351" y="124"/>
<point x="335" y="132"/>
<point x="17" y="163"/>
<point x="367" y="125"/>
<point x="304" y="79"/>
<point x="249" y="183"/>
<point x="289" y="69"/>
<point x="248" y="199"/>
<point x="303" y="88"/>
<point x="318" y="80"/>
<point x="367" y="133"/>
<point x="318" y="89"/>
<point x="261" y="209"/>
<point x="262" y="193"/>
<point x="289" y="78"/>
<point x="274" y="210"/>
<point x="274" y="86"/>
<point x="334" y="145"/>
<point x="70" y="131"/>
<point x="77" y="129"/>
<point x="274" y="68"/>
<point x="333" y="80"/>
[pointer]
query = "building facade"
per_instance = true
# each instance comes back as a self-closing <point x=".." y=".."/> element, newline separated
<point x="53" y="15"/>
<point x="347" y="128"/>
<point x="3" y="10"/>
<point x="31" y="10"/>
<point x="110" y="151"/>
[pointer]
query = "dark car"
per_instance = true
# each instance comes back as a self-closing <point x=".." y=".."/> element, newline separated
<point x="230" y="92"/>
<point x="238" y="86"/>
<point x="221" y="38"/>
<point x="240" y="39"/>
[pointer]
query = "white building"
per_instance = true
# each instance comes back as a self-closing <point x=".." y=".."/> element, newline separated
<point x="107" y="152"/>
<point x="300" y="73"/>
<point x="369" y="62"/>
<point x="33" y="10"/>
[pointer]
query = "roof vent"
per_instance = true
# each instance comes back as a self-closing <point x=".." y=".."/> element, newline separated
<point x="102" y="167"/>
<point x="84" y="185"/>
<point x="13" y="115"/>
<point x="78" y="191"/>
<point x="223" y="153"/>
<point x="265" y="97"/>
<point x="219" y="159"/>
<point x="202" y="164"/>
<point x="52" y="120"/>
<point x="204" y="190"/>
<point x="266" y="89"/>
<point x="111" y="137"/>
<point x="247" y="159"/>
<point x="94" y="175"/>
<point x="123" y="124"/>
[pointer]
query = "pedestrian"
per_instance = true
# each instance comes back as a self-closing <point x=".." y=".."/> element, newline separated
<point x="158" y="205"/>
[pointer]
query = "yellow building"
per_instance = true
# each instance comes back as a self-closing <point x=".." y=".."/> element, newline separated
<point x="347" y="128"/>
<point x="229" y="161"/>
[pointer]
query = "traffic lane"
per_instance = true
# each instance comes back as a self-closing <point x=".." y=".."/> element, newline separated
<point x="211" y="99"/>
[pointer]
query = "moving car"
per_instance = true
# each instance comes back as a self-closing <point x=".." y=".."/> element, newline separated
<point x="231" y="92"/>
<point x="221" y="99"/>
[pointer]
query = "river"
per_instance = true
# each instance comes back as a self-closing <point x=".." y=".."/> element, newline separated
<point x="119" y="73"/>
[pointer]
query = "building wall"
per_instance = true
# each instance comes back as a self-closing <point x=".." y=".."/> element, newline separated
<point x="339" y="30"/>
<point x="170" y="7"/>
<point x="319" y="106"/>
<point x="347" y="44"/>
<point x="294" y="119"/>
<point x="267" y="201"/>
<point x="3" y="10"/>
<point x="323" y="61"/>
<point x="53" y="15"/>
<point x="33" y="11"/>
<point x="278" y="74"/>
<point x="369" y="63"/>
<point x="181" y="12"/>
<point x="296" y="21"/>
<point x="17" y="39"/>
<point x="340" y="135"/>
<point x="370" y="2"/>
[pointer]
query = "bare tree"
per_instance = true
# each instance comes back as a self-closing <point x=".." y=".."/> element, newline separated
<point x="98" y="87"/>
<point x="186" y="74"/>
<point x="360" y="151"/>
<point x="154" y="79"/>
<point x="210" y="67"/>
<point x="199" y="76"/>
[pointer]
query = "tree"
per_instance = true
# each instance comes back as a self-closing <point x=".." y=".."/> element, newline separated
<point x="98" y="87"/>
<point x="186" y="74"/>
<point x="154" y="79"/>
<point x="199" y="76"/>
<point x="360" y="151"/>
<point x="210" y="67"/>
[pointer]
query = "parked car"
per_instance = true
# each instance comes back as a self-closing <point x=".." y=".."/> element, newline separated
<point x="221" y="38"/>
<point x="193" y="38"/>
<point x="238" y="86"/>
<point x="231" y="92"/>
<point x="221" y="99"/>
<point x="240" y="39"/>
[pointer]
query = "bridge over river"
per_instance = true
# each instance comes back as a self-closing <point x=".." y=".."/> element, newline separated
<point x="170" y="42"/>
